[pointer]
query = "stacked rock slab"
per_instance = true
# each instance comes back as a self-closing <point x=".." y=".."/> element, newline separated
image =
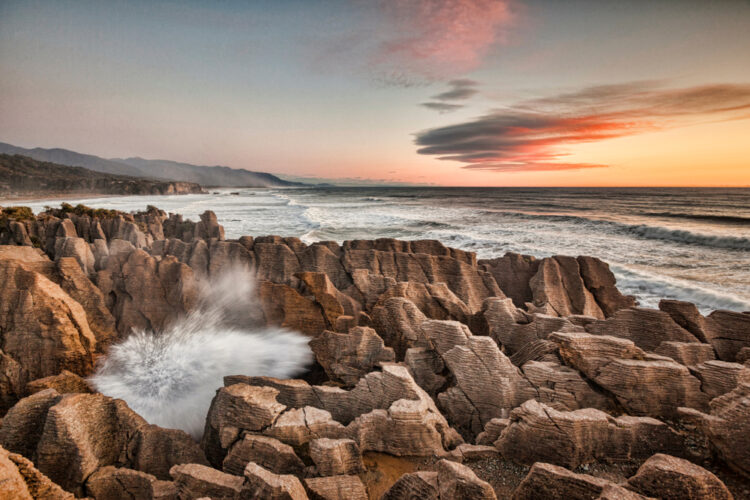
<point x="418" y="348"/>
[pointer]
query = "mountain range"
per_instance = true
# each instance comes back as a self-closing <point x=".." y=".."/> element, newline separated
<point x="207" y="176"/>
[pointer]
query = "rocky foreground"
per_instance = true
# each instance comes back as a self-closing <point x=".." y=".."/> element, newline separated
<point x="438" y="376"/>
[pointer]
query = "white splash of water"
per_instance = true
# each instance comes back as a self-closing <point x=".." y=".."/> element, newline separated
<point x="170" y="377"/>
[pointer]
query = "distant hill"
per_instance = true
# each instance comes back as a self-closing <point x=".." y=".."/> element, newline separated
<point x="207" y="176"/>
<point x="22" y="175"/>
<point x="153" y="169"/>
<point x="73" y="159"/>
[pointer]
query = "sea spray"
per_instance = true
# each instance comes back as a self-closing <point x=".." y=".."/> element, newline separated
<point x="170" y="377"/>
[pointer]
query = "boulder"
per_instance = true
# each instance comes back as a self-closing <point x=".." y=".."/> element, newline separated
<point x="333" y="302"/>
<point x="539" y="433"/>
<point x="550" y="481"/>
<point x="299" y="426"/>
<point x="514" y="329"/>
<point x="426" y="366"/>
<point x="563" y="387"/>
<point x="13" y="379"/>
<point x="414" y="485"/>
<point x="728" y="332"/>
<point x="266" y="452"/>
<point x="686" y="353"/>
<point x="63" y="383"/>
<point x="336" y="488"/>
<point x="237" y="408"/>
<point x="559" y="289"/>
<point x="346" y="357"/>
<point x="146" y="293"/>
<point x="22" y="426"/>
<point x="458" y="482"/>
<point x="487" y="384"/>
<point x="386" y="411"/>
<point x="513" y="272"/>
<point x="20" y="480"/>
<point x="647" y="328"/>
<point x="644" y="384"/>
<point x="335" y="457"/>
<point x="671" y="478"/>
<point x="112" y="483"/>
<point x="719" y="377"/>
<point x="78" y="249"/>
<point x="492" y="431"/>
<point x="397" y="321"/>
<point x="69" y="437"/>
<point x="195" y="481"/>
<point x="284" y="306"/>
<point x="262" y="483"/>
<point x="41" y="326"/>
<point x="600" y="281"/>
<point x="728" y="426"/>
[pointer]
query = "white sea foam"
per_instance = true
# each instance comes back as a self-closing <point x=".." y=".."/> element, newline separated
<point x="170" y="377"/>
<point x="650" y="289"/>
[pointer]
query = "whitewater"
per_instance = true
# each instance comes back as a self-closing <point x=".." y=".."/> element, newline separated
<point x="686" y="244"/>
<point x="169" y="377"/>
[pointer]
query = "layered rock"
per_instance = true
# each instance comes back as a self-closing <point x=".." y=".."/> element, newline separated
<point x="550" y="481"/>
<point x="663" y="476"/>
<point x="727" y="426"/>
<point x="644" y="384"/>
<point x="539" y="433"/>
<point x="69" y="437"/>
<point x="347" y="357"/>
<point x="385" y="411"/>
<point x="336" y="488"/>
<point x="20" y="480"/>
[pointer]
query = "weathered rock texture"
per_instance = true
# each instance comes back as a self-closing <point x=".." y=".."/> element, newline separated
<point x="424" y="355"/>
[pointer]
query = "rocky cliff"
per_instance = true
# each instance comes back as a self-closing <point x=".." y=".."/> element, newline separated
<point x="436" y="375"/>
<point x="24" y="176"/>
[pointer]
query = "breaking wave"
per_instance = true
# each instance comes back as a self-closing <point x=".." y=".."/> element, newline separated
<point x="170" y="377"/>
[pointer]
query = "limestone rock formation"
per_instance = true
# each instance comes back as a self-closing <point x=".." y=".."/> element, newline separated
<point x="125" y="484"/>
<point x="728" y="426"/>
<point x="671" y="478"/>
<point x="69" y="437"/>
<point x="267" y="452"/>
<point x="335" y="457"/>
<point x="347" y="357"/>
<point x="262" y="483"/>
<point x="336" y="488"/>
<point x="550" y="481"/>
<point x="642" y="383"/>
<point x="20" y="480"/>
<point x="195" y="481"/>
<point x="41" y="326"/>
<point x="538" y="433"/>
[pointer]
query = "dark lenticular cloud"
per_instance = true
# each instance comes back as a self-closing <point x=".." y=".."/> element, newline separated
<point x="442" y="107"/>
<point x="460" y="90"/>
<point x="533" y="135"/>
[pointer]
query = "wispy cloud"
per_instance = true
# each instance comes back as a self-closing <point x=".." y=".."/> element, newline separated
<point x="534" y="135"/>
<point x="460" y="89"/>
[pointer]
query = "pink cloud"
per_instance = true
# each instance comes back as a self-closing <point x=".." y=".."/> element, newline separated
<point x="437" y="39"/>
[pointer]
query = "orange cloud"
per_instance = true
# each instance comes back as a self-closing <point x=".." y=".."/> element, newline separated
<point x="534" y="135"/>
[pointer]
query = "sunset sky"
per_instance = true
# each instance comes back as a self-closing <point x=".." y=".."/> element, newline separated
<point x="453" y="92"/>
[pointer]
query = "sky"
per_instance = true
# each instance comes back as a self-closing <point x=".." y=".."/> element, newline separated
<point x="446" y="92"/>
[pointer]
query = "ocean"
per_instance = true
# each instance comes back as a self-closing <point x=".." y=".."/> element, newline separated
<point x="686" y="244"/>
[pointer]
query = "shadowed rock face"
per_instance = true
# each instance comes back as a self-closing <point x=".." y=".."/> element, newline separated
<point x="421" y="350"/>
